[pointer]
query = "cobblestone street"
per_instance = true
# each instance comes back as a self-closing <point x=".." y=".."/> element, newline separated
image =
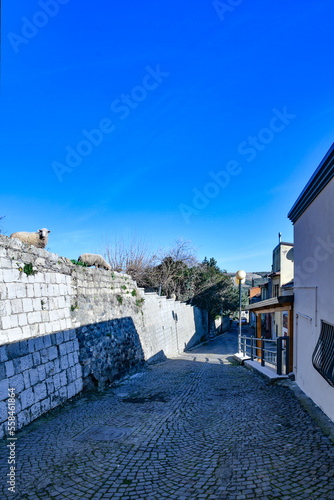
<point x="196" y="427"/>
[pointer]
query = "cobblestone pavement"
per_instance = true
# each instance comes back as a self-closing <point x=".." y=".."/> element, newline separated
<point x="195" y="427"/>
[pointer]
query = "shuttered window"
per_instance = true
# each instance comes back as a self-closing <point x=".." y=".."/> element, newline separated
<point x="323" y="356"/>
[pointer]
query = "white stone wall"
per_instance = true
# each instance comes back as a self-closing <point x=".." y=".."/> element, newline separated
<point x="43" y="373"/>
<point x="64" y="323"/>
<point x="35" y="305"/>
<point x="61" y="296"/>
<point x="314" y="267"/>
<point x="169" y="326"/>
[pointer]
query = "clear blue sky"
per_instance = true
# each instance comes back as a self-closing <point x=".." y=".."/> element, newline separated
<point x="180" y="90"/>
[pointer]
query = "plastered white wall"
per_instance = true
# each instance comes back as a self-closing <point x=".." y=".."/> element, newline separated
<point x="314" y="267"/>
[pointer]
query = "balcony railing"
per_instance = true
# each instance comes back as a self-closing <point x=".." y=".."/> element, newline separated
<point x="273" y="353"/>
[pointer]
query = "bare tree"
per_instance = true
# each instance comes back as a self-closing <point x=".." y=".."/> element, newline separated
<point x="163" y="268"/>
<point x="171" y="266"/>
<point x="181" y="251"/>
<point x="132" y="257"/>
<point x="176" y="270"/>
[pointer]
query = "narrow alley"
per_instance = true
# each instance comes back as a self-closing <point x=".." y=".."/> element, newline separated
<point x="195" y="427"/>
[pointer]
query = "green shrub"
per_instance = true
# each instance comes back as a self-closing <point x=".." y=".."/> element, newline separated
<point x="79" y="263"/>
<point x="28" y="269"/>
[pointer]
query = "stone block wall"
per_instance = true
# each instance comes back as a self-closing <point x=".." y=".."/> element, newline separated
<point x="220" y="325"/>
<point x="44" y="372"/>
<point x="36" y="304"/>
<point x="114" y="327"/>
<point x="109" y="350"/>
<point x="177" y="326"/>
<point x="226" y="324"/>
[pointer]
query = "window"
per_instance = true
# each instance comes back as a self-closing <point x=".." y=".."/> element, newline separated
<point x="277" y="259"/>
<point x="323" y="356"/>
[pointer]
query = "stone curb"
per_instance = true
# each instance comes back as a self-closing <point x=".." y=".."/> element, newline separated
<point x="263" y="371"/>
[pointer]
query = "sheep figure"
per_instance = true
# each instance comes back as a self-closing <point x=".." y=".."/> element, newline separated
<point x="38" y="239"/>
<point x="92" y="259"/>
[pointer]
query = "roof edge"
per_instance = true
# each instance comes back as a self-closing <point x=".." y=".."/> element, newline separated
<point x="273" y="301"/>
<point x="319" y="180"/>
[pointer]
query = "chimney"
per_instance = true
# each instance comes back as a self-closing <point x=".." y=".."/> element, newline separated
<point x="279" y="237"/>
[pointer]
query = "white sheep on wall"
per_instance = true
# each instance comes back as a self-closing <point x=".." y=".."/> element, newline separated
<point x="38" y="239"/>
<point x="92" y="259"/>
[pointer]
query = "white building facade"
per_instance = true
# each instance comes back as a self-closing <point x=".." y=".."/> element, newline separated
<point x="313" y="219"/>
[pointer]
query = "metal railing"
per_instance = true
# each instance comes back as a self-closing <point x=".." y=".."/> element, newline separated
<point x="272" y="352"/>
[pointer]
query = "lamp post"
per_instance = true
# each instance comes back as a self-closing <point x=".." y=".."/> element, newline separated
<point x="240" y="278"/>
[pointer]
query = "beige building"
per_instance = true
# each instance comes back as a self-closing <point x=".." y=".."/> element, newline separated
<point x="313" y="219"/>
<point x="274" y="311"/>
<point x="282" y="273"/>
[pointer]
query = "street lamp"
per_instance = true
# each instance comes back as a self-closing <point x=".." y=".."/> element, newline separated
<point x="240" y="278"/>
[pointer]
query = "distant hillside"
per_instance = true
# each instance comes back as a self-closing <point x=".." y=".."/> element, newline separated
<point x="258" y="276"/>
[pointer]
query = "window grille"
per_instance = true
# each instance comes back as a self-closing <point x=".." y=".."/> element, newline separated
<point x="323" y="356"/>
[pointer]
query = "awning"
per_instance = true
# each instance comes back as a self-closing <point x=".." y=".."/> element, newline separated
<point x="275" y="304"/>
